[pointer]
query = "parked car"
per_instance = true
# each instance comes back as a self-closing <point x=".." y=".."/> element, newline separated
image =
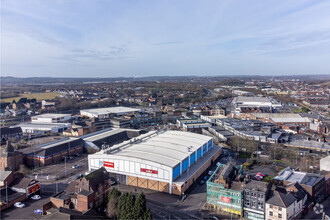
<point x="36" y="197"/>
<point x="113" y="182"/>
<point x="259" y="177"/>
<point x="206" y="178"/>
<point x="19" y="205"/>
<point x="38" y="211"/>
<point x="77" y="155"/>
<point x="201" y="182"/>
<point x="260" y="174"/>
<point x="76" y="166"/>
<point x="210" y="172"/>
<point x="218" y="164"/>
<point x="79" y="176"/>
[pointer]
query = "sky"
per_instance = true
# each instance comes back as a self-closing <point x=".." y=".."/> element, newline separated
<point x="105" y="38"/>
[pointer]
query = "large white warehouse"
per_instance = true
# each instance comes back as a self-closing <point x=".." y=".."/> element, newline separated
<point x="167" y="161"/>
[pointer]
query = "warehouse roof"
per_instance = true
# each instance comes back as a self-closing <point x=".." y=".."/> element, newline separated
<point x="252" y="99"/>
<point x="282" y="117"/>
<point x="48" y="115"/>
<point x="42" y="125"/>
<point x="111" y="110"/>
<point x="167" y="147"/>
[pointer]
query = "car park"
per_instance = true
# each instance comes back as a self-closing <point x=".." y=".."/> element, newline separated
<point x="19" y="205"/>
<point x="36" y="197"/>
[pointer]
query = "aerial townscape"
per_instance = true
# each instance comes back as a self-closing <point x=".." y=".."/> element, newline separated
<point x="159" y="128"/>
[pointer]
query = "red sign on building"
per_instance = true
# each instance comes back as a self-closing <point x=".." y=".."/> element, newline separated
<point x="225" y="199"/>
<point x="108" y="164"/>
<point x="149" y="171"/>
<point x="33" y="188"/>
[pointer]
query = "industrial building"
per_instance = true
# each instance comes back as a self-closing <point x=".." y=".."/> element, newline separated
<point x="166" y="161"/>
<point x="108" y="137"/>
<point x="51" y="118"/>
<point x="42" y="128"/>
<point x="257" y="104"/>
<point x="107" y="112"/>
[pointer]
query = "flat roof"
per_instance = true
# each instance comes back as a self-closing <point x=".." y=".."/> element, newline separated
<point x="41" y="125"/>
<point x="110" y="110"/>
<point x="252" y="99"/>
<point x="216" y="116"/>
<point x="282" y="117"/>
<point x="166" y="147"/>
<point x="49" y="115"/>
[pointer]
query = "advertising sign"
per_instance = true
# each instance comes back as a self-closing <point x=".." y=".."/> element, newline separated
<point x="225" y="199"/>
<point x="33" y="188"/>
<point x="149" y="171"/>
<point x="108" y="164"/>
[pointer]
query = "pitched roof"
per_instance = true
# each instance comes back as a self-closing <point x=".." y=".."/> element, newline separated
<point x="4" y="175"/>
<point x="97" y="177"/>
<point x="22" y="182"/>
<point x="281" y="199"/>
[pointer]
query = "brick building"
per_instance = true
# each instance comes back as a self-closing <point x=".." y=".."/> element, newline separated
<point x="53" y="152"/>
<point x="88" y="192"/>
<point x="10" y="159"/>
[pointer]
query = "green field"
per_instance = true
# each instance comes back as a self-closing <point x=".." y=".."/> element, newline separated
<point x="38" y="96"/>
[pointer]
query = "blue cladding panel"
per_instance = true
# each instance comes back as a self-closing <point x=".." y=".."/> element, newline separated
<point x="185" y="164"/>
<point x="199" y="153"/>
<point x="210" y="144"/>
<point x="204" y="149"/>
<point x="176" y="171"/>
<point x="192" y="158"/>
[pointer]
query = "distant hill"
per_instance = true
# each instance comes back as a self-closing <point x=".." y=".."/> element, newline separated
<point x="8" y="80"/>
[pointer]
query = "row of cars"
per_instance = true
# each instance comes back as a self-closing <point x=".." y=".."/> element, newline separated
<point x="22" y="205"/>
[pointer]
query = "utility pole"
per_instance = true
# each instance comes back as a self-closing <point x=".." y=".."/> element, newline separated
<point x="6" y="194"/>
<point x="56" y="185"/>
<point x="65" y="166"/>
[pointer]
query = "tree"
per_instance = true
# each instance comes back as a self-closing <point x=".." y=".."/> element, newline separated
<point x="140" y="207"/>
<point x="125" y="206"/>
<point x="112" y="207"/>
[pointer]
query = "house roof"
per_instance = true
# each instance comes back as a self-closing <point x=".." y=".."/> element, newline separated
<point x="281" y="199"/>
<point x="97" y="177"/>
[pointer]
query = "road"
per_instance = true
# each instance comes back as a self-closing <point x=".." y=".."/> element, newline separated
<point x="59" y="170"/>
<point x="48" y="187"/>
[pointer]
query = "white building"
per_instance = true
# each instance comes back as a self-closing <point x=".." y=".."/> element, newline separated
<point x="166" y="161"/>
<point x="41" y="128"/>
<point x="284" y="206"/>
<point x="50" y="118"/>
<point x="107" y="112"/>
<point x="325" y="164"/>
